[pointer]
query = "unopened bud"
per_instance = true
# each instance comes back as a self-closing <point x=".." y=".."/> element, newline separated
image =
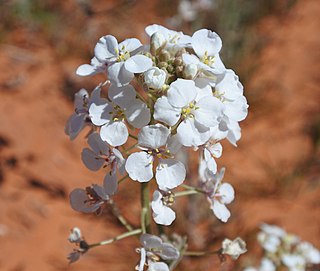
<point x="180" y="52"/>
<point x="155" y="78"/>
<point x="164" y="56"/>
<point x="179" y="71"/>
<point x="190" y="71"/>
<point x="178" y="61"/>
<point x="157" y="43"/>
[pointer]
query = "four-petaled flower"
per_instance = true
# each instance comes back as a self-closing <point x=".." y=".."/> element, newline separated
<point x="155" y="141"/>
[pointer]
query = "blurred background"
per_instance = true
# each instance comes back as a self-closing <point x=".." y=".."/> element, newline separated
<point x="272" y="45"/>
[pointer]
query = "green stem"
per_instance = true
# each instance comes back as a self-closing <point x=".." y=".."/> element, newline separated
<point x="185" y="193"/>
<point x="117" y="238"/>
<point x="199" y="253"/>
<point x="145" y="212"/>
<point x="134" y="137"/>
<point x="123" y="178"/>
<point x="182" y="249"/>
<point x="121" y="218"/>
<point x="189" y="187"/>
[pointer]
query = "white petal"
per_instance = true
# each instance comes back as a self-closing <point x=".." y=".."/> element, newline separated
<point x="190" y="59"/>
<point x="130" y="44"/>
<point x="174" y="144"/>
<point x="97" y="144"/>
<point x="118" y="75"/>
<point x="150" y="241"/>
<point x="106" y="48"/>
<point x="204" y="41"/>
<point x="158" y="266"/>
<point x="122" y="96"/>
<point x="165" y="217"/>
<point x="220" y="211"/>
<point x="78" y="201"/>
<point x="215" y="150"/>
<point x="75" y="124"/>
<point x="142" y="259"/>
<point x="91" y="160"/>
<point x="162" y="214"/>
<point x="181" y="92"/>
<point x="210" y="111"/>
<point x="139" y="166"/>
<point x="165" y="112"/>
<point x="115" y="133"/>
<point x="110" y="183"/>
<point x="86" y="69"/>
<point x="153" y="136"/>
<point x="138" y="114"/>
<point x="227" y="192"/>
<point x="120" y="160"/>
<point x="170" y="174"/>
<point x="100" y="114"/>
<point x="190" y="134"/>
<point x="211" y="163"/>
<point x="151" y="29"/>
<point x="138" y="64"/>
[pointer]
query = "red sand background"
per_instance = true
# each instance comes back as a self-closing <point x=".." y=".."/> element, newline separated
<point x="275" y="169"/>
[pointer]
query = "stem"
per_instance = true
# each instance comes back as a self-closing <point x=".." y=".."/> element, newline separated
<point x="200" y="253"/>
<point x="121" y="218"/>
<point x="145" y="212"/>
<point x="185" y="193"/>
<point x="123" y="178"/>
<point x="189" y="187"/>
<point x="134" y="137"/>
<point x="117" y="238"/>
<point x="182" y="250"/>
<point x="140" y="97"/>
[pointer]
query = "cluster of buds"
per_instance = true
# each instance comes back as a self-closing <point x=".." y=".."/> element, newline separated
<point x="285" y="251"/>
<point x="184" y="98"/>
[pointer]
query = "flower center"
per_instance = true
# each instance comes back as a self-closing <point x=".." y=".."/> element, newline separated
<point x="118" y="113"/>
<point x="161" y="153"/>
<point x="208" y="60"/>
<point x="188" y="112"/>
<point x="123" y="54"/>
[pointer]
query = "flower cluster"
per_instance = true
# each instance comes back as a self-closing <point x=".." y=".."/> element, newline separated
<point x="285" y="250"/>
<point x="183" y="97"/>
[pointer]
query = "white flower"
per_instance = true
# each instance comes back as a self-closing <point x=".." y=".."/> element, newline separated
<point x="121" y="59"/>
<point x="197" y="108"/>
<point x="309" y="252"/>
<point x="162" y="214"/>
<point x="173" y="38"/>
<point x="93" y="68"/>
<point x="270" y="243"/>
<point x="155" y="78"/>
<point x="219" y="194"/>
<point x="211" y="150"/>
<point x="153" y="249"/>
<point x="267" y="265"/>
<point x="155" y="141"/>
<point x="111" y="115"/>
<point x="101" y="155"/>
<point x="273" y="230"/>
<point x="234" y="248"/>
<point x="294" y="262"/>
<point x="93" y="198"/>
<point x="207" y="45"/>
<point x="230" y="92"/>
<point x="80" y="118"/>
<point x="75" y="235"/>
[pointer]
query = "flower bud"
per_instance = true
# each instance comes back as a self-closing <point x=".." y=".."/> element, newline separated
<point x="178" y="61"/>
<point x="190" y="71"/>
<point x="157" y="43"/>
<point x="165" y="55"/>
<point x="155" y="78"/>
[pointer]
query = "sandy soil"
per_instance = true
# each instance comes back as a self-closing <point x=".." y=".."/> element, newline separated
<point x="275" y="169"/>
